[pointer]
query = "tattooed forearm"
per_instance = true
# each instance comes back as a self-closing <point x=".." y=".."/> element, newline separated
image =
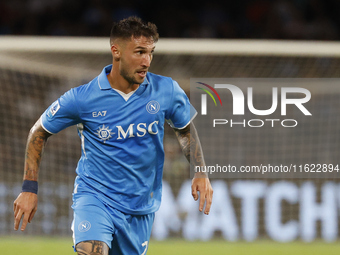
<point x="92" y="248"/>
<point x="190" y="144"/>
<point x="34" y="149"/>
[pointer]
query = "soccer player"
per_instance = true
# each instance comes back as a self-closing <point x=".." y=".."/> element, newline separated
<point x="120" y="116"/>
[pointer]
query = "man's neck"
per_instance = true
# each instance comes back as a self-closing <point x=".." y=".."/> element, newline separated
<point x="119" y="83"/>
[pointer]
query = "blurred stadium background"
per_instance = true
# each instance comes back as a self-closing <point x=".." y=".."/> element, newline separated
<point x="36" y="70"/>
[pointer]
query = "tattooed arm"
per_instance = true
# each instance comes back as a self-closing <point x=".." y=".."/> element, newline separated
<point x="92" y="248"/>
<point x="26" y="203"/>
<point x="191" y="147"/>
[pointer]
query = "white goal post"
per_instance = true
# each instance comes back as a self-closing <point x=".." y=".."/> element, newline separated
<point x="176" y="46"/>
<point x="31" y="54"/>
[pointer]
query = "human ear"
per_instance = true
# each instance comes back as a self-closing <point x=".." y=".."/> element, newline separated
<point x="115" y="52"/>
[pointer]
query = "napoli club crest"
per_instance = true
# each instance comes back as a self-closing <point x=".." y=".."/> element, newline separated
<point x="153" y="107"/>
<point x="84" y="226"/>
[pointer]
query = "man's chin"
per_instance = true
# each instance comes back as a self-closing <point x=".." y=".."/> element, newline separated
<point x="140" y="80"/>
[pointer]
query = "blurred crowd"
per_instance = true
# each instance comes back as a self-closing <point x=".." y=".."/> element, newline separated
<point x="258" y="19"/>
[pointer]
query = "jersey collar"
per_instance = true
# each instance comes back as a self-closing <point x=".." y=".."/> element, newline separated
<point x="104" y="83"/>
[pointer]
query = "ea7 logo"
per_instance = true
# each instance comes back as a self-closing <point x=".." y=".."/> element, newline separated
<point x="238" y="100"/>
<point x="99" y="114"/>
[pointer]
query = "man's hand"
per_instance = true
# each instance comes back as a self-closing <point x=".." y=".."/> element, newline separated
<point x="25" y="206"/>
<point x="191" y="147"/>
<point x="202" y="184"/>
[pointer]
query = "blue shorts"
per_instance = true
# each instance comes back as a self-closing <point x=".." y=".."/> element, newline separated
<point x="123" y="233"/>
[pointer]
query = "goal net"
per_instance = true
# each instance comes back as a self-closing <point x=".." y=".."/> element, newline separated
<point x="35" y="71"/>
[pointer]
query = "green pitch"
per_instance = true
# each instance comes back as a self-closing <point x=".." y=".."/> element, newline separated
<point x="57" y="246"/>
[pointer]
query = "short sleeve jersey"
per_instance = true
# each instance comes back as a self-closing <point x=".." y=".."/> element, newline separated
<point x="122" y="141"/>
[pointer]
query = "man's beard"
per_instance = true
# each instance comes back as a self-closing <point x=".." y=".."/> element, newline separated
<point x="129" y="78"/>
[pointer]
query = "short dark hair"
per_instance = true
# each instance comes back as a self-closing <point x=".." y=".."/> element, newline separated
<point x="133" y="26"/>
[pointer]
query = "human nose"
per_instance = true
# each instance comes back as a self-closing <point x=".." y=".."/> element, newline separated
<point x="147" y="60"/>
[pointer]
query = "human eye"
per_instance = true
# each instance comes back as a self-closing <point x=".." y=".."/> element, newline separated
<point x="139" y="51"/>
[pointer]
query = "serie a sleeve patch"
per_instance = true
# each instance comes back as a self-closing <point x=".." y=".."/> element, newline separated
<point x="53" y="109"/>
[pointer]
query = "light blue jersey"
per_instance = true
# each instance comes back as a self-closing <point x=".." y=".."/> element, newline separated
<point x="122" y="141"/>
